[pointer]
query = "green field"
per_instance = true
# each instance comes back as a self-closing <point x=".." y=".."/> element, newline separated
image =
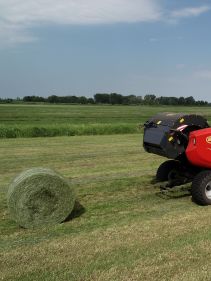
<point x="123" y="227"/>
<point x="69" y="120"/>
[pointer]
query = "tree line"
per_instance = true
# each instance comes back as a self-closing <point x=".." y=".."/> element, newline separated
<point x="112" y="98"/>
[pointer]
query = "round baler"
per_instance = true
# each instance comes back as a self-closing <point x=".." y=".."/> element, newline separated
<point x="186" y="141"/>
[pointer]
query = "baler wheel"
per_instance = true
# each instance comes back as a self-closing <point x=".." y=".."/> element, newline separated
<point x="166" y="169"/>
<point x="201" y="188"/>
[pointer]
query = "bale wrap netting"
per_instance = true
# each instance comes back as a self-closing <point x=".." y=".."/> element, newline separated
<point x="39" y="197"/>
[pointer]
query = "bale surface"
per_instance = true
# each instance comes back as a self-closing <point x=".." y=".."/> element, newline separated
<point x="39" y="197"/>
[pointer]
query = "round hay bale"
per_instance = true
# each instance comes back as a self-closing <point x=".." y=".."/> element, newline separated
<point x="39" y="197"/>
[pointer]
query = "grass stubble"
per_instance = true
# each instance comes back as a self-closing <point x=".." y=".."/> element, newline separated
<point x="128" y="230"/>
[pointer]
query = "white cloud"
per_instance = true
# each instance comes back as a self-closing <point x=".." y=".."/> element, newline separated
<point x="190" y="12"/>
<point x="12" y="34"/>
<point x="79" y="11"/>
<point x="205" y="74"/>
<point x="18" y="16"/>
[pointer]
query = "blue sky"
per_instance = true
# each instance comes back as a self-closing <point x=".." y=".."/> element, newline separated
<point x="81" y="47"/>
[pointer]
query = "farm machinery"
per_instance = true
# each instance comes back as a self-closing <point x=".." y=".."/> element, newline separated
<point x="186" y="141"/>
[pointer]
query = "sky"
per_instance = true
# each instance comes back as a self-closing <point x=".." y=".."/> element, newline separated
<point x="83" y="47"/>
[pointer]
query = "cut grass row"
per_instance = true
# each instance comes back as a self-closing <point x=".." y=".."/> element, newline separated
<point x="26" y="131"/>
<point x="128" y="229"/>
<point x="71" y="120"/>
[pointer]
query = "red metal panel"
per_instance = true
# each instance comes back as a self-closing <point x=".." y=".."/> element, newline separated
<point x="198" y="151"/>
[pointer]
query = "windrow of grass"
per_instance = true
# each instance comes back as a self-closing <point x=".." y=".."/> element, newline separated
<point x="23" y="121"/>
<point x="20" y="131"/>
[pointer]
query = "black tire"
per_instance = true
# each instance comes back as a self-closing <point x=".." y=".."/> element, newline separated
<point x="201" y="188"/>
<point x="165" y="169"/>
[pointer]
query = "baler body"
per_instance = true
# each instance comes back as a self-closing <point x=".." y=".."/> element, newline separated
<point x="166" y="134"/>
<point x="186" y="140"/>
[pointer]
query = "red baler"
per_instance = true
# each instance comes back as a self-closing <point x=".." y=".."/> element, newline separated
<point x="186" y="140"/>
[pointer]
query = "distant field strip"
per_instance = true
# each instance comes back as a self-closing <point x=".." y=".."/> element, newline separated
<point x="17" y="121"/>
<point x="22" y="131"/>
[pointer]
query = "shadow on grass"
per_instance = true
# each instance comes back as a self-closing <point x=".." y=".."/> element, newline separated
<point x="77" y="211"/>
<point x="154" y="181"/>
<point x="168" y="192"/>
<point x="174" y="193"/>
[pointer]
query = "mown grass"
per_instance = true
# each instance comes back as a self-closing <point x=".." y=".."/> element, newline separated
<point x="26" y="131"/>
<point x="70" y="120"/>
<point x="125" y="228"/>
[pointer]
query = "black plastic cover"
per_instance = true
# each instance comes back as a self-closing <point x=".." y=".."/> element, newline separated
<point x="166" y="134"/>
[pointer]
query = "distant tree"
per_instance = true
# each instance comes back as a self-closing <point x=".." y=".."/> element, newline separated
<point x="132" y="99"/>
<point x="27" y="99"/>
<point x="167" y="100"/>
<point x="149" y="99"/>
<point x="102" y="98"/>
<point x="139" y="100"/>
<point x="8" y="100"/>
<point x="33" y="99"/>
<point x="181" y="101"/>
<point x="90" y="101"/>
<point x="115" y="98"/>
<point x="173" y="101"/>
<point x="72" y="99"/>
<point x="82" y="100"/>
<point x="126" y="100"/>
<point x="53" y="99"/>
<point x="189" y="101"/>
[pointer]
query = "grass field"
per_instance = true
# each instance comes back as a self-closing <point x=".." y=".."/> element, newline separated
<point x="69" y="120"/>
<point x="123" y="229"/>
